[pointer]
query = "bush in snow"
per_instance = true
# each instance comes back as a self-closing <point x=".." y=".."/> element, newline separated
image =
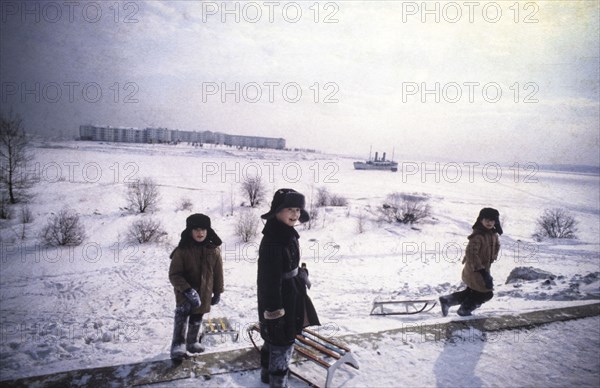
<point x="185" y="204"/>
<point x="143" y="195"/>
<point x="247" y="225"/>
<point x="146" y="230"/>
<point x="325" y="198"/>
<point x="405" y="208"/>
<point x="555" y="223"/>
<point x="63" y="228"/>
<point x="254" y="189"/>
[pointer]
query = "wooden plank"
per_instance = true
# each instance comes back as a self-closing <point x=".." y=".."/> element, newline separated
<point x="311" y="356"/>
<point x="329" y="341"/>
<point x="318" y="346"/>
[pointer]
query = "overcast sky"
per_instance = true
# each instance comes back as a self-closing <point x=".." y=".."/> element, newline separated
<point x="514" y="83"/>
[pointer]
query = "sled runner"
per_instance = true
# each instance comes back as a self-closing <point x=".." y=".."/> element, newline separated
<point x="407" y="307"/>
<point x="325" y="352"/>
<point x="221" y="325"/>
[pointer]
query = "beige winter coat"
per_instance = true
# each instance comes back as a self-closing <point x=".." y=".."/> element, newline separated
<point x="198" y="267"/>
<point x="482" y="251"/>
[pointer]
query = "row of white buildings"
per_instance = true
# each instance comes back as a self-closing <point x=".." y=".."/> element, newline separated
<point x="165" y="135"/>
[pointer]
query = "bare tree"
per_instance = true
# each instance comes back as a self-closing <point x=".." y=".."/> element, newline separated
<point x="555" y="223"/>
<point x="64" y="228"/>
<point x="254" y="189"/>
<point x="247" y="225"/>
<point x="14" y="155"/>
<point x="143" y="195"/>
<point x="145" y="230"/>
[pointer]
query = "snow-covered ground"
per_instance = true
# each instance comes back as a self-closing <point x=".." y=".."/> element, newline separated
<point x="109" y="302"/>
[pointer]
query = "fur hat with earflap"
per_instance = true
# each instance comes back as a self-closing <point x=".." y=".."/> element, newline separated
<point x="199" y="221"/>
<point x="287" y="198"/>
<point x="490" y="214"/>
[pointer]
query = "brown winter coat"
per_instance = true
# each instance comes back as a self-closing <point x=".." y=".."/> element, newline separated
<point x="198" y="267"/>
<point x="482" y="251"/>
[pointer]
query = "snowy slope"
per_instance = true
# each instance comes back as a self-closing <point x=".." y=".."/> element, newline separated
<point x="109" y="302"/>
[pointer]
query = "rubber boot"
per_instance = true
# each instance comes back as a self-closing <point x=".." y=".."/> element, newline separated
<point x="264" y="363"/>
<point x="179" y="330"/>
<point x="278" y="380"/>
<point x="446" y="302"/>
<point x="192" y="342"/>
<point x="464" y="311"/>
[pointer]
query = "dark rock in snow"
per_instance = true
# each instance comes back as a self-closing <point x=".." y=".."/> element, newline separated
<point x="528" y="273"/>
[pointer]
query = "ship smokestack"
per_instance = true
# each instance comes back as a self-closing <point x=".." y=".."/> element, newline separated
<point x="383" y="158"/>
<point x="375" y="155"/>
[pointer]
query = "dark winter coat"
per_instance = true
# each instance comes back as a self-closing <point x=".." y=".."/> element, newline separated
<point x="482" y="251"/>
<point x="200" y="267"/>
<point x="279" y="254"/>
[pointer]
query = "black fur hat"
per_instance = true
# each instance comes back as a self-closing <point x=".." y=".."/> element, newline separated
<point x="490" y="214"/>
<point x="286" y="198"/>
<point x="199" y="221"/>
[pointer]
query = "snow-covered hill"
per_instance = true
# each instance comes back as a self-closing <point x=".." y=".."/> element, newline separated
<point x="108" y="301"/>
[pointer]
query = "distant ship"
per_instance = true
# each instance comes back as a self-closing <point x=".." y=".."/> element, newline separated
<point x="377" y="164"/>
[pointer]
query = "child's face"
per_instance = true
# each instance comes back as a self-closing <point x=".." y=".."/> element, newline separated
<point x="488" y="223"/>
<point x="289" y="216"/>
<point x="199" y="234"/>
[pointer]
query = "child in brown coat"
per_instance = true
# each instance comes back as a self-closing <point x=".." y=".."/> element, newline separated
<point x="196" y="273"/>
<point x="482" y="251"/>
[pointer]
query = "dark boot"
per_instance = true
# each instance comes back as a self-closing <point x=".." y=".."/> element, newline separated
<point x="446" y="302"/>
<point x="464" y="311"/>
<point x="179" y="330"/>
<point x="192" y="342"/>
<point x="278" y="380"/>
<point x="264" y="363"/>
<point x="264" y="375"/>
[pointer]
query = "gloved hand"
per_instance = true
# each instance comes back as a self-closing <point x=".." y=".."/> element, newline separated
<point x="273" y="331"/>
<point x="215" y="299"/>
<point x="487" y="279"/>
<point x="303" y="274"/>
<point x="192" y="296"/>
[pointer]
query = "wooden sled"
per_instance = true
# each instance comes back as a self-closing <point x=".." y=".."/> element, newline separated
<point x="220" y="326"/>
<point x="409" y="306"/>
<point x="325" y="352"/>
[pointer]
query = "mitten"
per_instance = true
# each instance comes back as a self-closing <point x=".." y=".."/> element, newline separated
<point x="215" y="299"/>
<point x="274" y="332"/>
<point x="303" y="274"/>
<point x="487" y="279"/>
<point x="192" y="296"/>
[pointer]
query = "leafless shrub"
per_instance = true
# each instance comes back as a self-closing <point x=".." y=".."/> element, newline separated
<point x="254" y="189"/>
<point x="185" y="204"/>
<point x="361" y="219"/>
<point x="325" y="198"/>
<point x="146" y="230"/>
<point x="247" y="225"/>
<point x="64" y="228"/>
<point x="322" y="197"/>
<point x="555" y="223"/>
<point x="26" y="215"/>
<point x="405" y="208"/>
<point x="143" y="195"/>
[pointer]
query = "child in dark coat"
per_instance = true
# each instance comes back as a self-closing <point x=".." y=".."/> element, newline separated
<point x="482" y="251"/>
<point x="284" y="307"/>
<point x="196" y="273"/>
